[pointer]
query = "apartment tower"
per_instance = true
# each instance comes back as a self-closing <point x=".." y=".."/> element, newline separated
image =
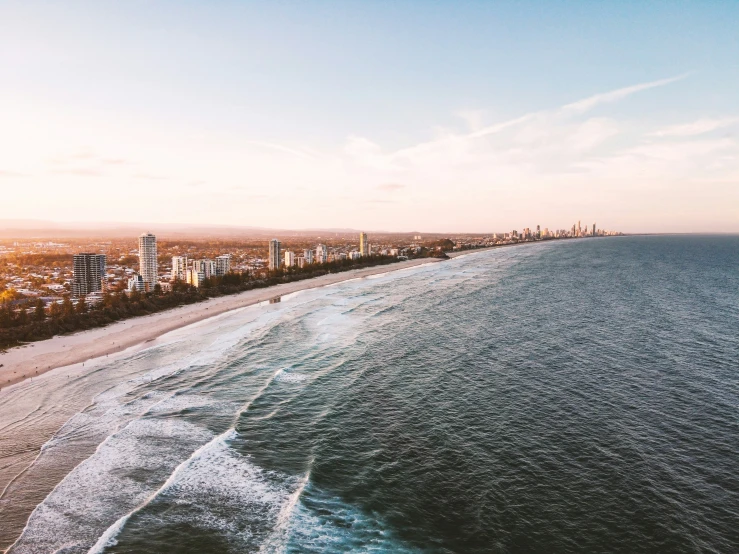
<point x="274" y="255"/>
<point x="148" y="260"/>
<point x="88" y="273"/>
<point x="179" y="268"/>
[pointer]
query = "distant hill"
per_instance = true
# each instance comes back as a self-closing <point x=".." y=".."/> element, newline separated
<point x="41" y="229"/>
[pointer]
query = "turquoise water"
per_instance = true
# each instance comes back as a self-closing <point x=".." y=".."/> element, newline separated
<point x="574" y="396"/>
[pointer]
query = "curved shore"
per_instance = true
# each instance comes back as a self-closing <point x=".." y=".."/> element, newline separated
<point x="34" y="359"/>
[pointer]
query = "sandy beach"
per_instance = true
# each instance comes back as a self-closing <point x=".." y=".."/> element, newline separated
<point x="34" y="359"/>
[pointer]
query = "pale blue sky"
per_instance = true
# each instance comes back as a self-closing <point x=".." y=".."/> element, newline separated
<point x="374" y="115"/>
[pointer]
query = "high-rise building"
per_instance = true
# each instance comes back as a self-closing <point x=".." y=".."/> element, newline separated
<point x="593" y="229"/>
<point x="289" y="258"/>
<point x="148" y="260"/>
<point x="321" y="254"/>
<point x="88" y="273"/>
<point x="308" y="256"/>
<point x="363" y="245"/>
<point x="179" y="268"/>
<point x="274" y="255"/>
<point x="223" y="265"/>
<point x="538" y="232"/>
<point x="206" y="267"/>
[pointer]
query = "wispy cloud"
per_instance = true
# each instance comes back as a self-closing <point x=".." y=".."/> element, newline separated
<point x="586" y="104"/>
<point x="6" y="174"/>
<point x="699" y="127"/>
<point x="390" y="187"/>
<point x="79" y="172"/>
<point x="541" y="123"/>
<point x="150" y="177"/>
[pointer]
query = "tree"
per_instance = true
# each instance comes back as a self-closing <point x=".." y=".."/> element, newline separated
<point x="67" y="306"/>
<point x="81" y="307"/>
<point x="55" y="310"/>
<point x="39" y="314"/>
<point x="6" y="316"/>
<point x="158" y="289"/>
<point x="22" y="317"/>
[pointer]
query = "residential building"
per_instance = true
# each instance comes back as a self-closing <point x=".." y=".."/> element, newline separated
<point x="308" y="255"/>
<point x="136" y="282"/>
<point x="148" y="260"/>
<point x="88" y="273"/>
<point x="274" y="255"/>
<point x="289" y="258"/>
<point x="363" y="245"/>
<point x="206" y="267"/>
<point x="179" y="268"/>
<point x="354" y="255"/>
<point x="321" y="254"/>
<point x="223" y="265"/>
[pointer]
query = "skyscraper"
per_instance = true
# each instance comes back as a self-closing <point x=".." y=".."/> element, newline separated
<point x="308" y="256"/>
<point x="179" y="268"/>
<point x="274" y="255"/>
<point x="148" y="260"/>
<point x="321" y="254"/>
<point x="289" y="258"/>
<point x="363" y="245"/>
<point x="538" y="232"/>
<point x="88" y="273"/>
<point x="593" y="229"/>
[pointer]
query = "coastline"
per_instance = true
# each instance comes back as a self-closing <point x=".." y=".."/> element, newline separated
<point x="36" y="358"/>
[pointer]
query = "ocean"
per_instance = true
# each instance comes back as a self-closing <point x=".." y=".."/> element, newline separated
<point x="567" y="396"/>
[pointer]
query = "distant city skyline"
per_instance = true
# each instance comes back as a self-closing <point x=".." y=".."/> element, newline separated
<point x="405" y="116"/>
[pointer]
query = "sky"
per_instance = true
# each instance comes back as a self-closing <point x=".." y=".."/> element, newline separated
<point x="398" y="116"/>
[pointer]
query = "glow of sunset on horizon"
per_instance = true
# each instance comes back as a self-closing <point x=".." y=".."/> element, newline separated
<point x="401" y="116"/>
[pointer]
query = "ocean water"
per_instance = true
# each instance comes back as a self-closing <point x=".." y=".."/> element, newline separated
<point x="572" y="396"/>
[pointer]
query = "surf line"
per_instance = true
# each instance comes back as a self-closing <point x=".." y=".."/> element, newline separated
<point x="108" y="538"/>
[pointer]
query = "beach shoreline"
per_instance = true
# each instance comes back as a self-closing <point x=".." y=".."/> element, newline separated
<point x="34" y="359"/>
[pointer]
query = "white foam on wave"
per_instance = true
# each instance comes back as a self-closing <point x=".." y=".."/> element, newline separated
<point x="120" y="473"/>
<point x="290" y="377"/>
<point x="325" y="523"/>
<point x="109" y="535"/>
<point x="215" y="489"/>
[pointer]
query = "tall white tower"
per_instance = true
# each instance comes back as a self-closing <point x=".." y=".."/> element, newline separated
<point x="363" y="246"/>
<point x="148" y="260"/>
